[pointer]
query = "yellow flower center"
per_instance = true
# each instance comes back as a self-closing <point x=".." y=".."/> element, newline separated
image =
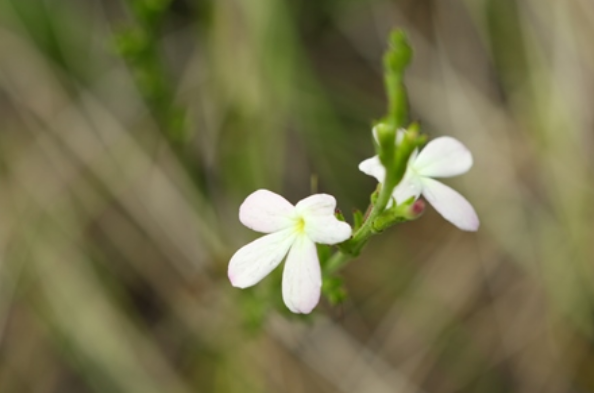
<point x="300" y="225"/>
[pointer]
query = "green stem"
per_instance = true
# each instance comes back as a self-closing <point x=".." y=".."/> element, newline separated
<point x="337" y="261"/>
<point x="376" y="221"/>
<point x="394" y="159"/>
<point x="396" y="59"/>
<point x="362" y="235"/>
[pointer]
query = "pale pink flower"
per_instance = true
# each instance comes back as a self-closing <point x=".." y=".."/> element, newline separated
<point x="442" y="157"/>
<point x="292" y="230"/>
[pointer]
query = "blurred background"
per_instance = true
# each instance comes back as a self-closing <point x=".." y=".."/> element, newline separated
<point x="131" y="131"/>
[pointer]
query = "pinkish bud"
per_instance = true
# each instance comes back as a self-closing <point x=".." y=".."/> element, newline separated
<point x="416" y="209"/>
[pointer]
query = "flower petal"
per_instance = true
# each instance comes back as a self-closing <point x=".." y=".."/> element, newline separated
<point x="409" y="186"/>
<point x="443" y="157"/>
<point x="327" y="229"/>
<point x="265" y="211"/>
<point x="254" y="261"/>
<point x="302" y="278"/>
<point x="316" y="205"/>
<point x="321" y="225"/>
<point x="450" y="204"/>
<point x="373" y="167"/>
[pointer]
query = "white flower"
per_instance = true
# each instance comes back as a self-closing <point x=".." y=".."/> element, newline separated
<point x="442" y="157"/>
<point x="292" y="229"/>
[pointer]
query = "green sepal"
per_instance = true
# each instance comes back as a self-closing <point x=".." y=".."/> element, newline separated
<point x="406" y="211"/>
<point x="339" y="216"/>
<point x="375" y="194"/>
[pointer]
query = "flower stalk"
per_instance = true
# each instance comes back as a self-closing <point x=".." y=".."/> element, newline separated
<point x="394" y="157"/>
<point x="396" y="59"/>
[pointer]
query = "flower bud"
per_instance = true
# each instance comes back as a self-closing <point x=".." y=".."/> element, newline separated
<point x="399" y="53"/>
<point x="385" y="135"/>
<point x="415" y="210"/>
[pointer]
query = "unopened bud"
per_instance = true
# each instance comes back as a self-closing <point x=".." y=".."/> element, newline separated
<point x="385" y="135"/>
<point x="415" y="210"/>
<point x="399" y="53"/>
<point x="406" y="211"/>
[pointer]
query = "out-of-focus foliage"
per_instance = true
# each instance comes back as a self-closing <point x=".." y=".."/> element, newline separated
<point x="129" y="139"/>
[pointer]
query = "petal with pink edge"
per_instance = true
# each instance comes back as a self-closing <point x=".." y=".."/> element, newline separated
<point x="443" y="157"/>
<point x="316" y="205"/>
<point x="302" y="277"/>
<point x="254" y="261"/>
<point x="265" y="211"/>
<point x="327" y="229"/>
<point x="451" y="205"/>
<point x="410" y="186"/>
